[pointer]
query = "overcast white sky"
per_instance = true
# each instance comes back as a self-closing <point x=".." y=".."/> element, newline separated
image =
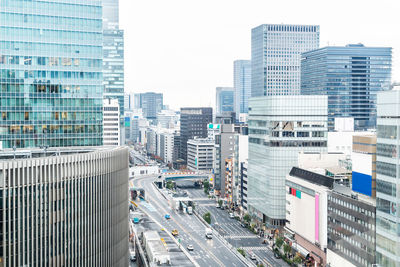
<point x="186" y="48"/>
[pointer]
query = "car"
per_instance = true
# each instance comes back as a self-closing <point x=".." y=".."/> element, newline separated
<point x="217" y="206"/>
<point x="277" y="256"/>
<point x="190" y="247"/>
<point x="174" y="232"/>
<point x="253" y="256"/>
<point x="231" y="215"/>
<point x="243" y="225"/>
<point x="167" y="216"/>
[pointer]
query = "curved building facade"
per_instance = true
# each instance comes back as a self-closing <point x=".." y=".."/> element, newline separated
<point x="66" y="209"/>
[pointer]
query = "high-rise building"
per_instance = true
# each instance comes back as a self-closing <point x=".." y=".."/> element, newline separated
<point x="111" y="122"/>
<point x="194" y="123"/>
<point x="167" y="146"/>
<point x="224" y="100"/>
<point x="64" y="206"/>
<point x="241" y="85"/>
<point x="51" y="73"/>
<point x="129" y="102"/>
<point x="275" y="57"/>
<point x="350" y="76"/>
<point x="387" y="179"/>
<point x="279" y="128"/>
<point x="113" y="65"/>
<point x="113" y="54"/>
<point x="110" y="14"/>
<point x="150" y="103"/>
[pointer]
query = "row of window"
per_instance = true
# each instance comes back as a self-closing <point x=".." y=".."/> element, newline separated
<point x="45" y="115"/>
<point x="41" y="74"/>
<point x="44" y="129"/>
<point x="50" y="61"/>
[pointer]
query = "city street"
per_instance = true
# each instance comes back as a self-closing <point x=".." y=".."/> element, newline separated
<point x="231" y="229"/>
<point x="207" y="252"/>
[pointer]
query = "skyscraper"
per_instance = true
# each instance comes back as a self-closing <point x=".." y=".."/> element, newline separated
<point x="194" y="122"/>
<point x="351" y="76"/>
<point x="150" y="103"/>
<point x="279" y="128"/>
<point x="387" y="179"/>
<point x="113" y="53"/>
<point x="224" y="99"/>
<point x="51" y="73"/>
<point x="241" y="85"/>
<point x="275" y="57"/>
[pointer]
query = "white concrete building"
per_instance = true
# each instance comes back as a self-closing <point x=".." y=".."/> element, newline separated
<point x="111" y="124"/>
<point x="306" y="211"/>
<point x="166" y="146"/>
<point x="200" y="154"/>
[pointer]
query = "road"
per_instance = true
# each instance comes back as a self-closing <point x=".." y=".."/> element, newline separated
<point x="232" y="231"/>
<point x="207" y="252"/>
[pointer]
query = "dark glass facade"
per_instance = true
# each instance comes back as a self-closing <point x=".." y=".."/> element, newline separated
<point x="350" y="76"/>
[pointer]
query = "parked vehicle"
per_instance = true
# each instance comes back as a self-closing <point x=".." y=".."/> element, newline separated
<point x="231" y="215"/>
<point x="136" y="220"/>
<point x="190" y="247"/>
<point x="189" y="210"/>
<point x="253" y="256"/>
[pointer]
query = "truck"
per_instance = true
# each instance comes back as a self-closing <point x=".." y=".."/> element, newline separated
<point x="189" y="210"/>
<point x="208" y="233"/>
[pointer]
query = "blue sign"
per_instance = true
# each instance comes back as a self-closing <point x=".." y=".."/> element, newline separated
<point x="362" y="183"/>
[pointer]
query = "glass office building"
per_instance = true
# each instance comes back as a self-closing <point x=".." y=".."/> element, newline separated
<point x="51" y="73"/>
<point x="113" y="64"/>
<point x="224" y="100"/>
<point x="275" y="57"/>
<point x="350" y="76"/>
<point x="279" y="128"/>
<point x="242" y="85"/>
<point x="387" y="179"/>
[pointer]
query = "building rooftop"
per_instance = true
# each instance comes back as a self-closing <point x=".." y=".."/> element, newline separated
<point x="11" y="154"/>
<point x="312" y="177"/>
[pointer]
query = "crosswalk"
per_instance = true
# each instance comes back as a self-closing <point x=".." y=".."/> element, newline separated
<point x="241" y="236"/>
<point x="255" y="248"/>
<point x="148" y="206"/>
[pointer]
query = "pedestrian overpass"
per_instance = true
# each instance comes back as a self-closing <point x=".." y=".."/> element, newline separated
<point x="173" y="176"/>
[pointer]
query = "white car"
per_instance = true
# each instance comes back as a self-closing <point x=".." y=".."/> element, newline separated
<point x="190" y="247"/>
<point x="231" y="215"/>
<point x="253" y="256"/>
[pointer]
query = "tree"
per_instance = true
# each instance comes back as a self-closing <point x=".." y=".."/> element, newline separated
<point x="207" y="217"/>
<point x="220" y="202"/>
<point x="260" y="265"/>
<point x="297" y="259"/>
<point x="279" y="242"/>
<point x="170" y="185"/>
<point x="287" y="248"/>
<point x="241" y="251"/>
<point x="247" y="218"/>
<point x="206" y="184"/>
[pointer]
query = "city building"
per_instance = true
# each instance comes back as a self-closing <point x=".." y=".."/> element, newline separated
<point x="387" y="179"/>
<point x="213" y="129"/>
<point x="242" y="86"/>
<point x="71" y="206"/>
<point x="110" y="14"/>
<point x="364" y="165"/>
<point x="243" y="187"/>
<point x="150" y="103"/>
<point x="111" y="122"/>
<point x="225" y="100"/>
<point x="151" y="141"/>
<point x="275" y="57"/>
<point x="306" y="213"/>
<point x="200" y="154"/>
<point x="226" y="143"/>
<point x="52" y="85"/>
<point x="194" y="123"/>
<point x="167" y="146"/>
<point x="229" y="181"/>
<point x="279" y="128"/>
<point x="226" y="117"/>
<point x="350" y="76"/>
<point x="129" y="102"/>
<point x="113" y="66"/>
<point x="351" y="228"/>
<point x="167" y="119"/>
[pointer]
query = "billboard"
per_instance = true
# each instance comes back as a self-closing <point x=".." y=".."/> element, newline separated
<point x="127" y="122"/>
<point x="362" y="173"/>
